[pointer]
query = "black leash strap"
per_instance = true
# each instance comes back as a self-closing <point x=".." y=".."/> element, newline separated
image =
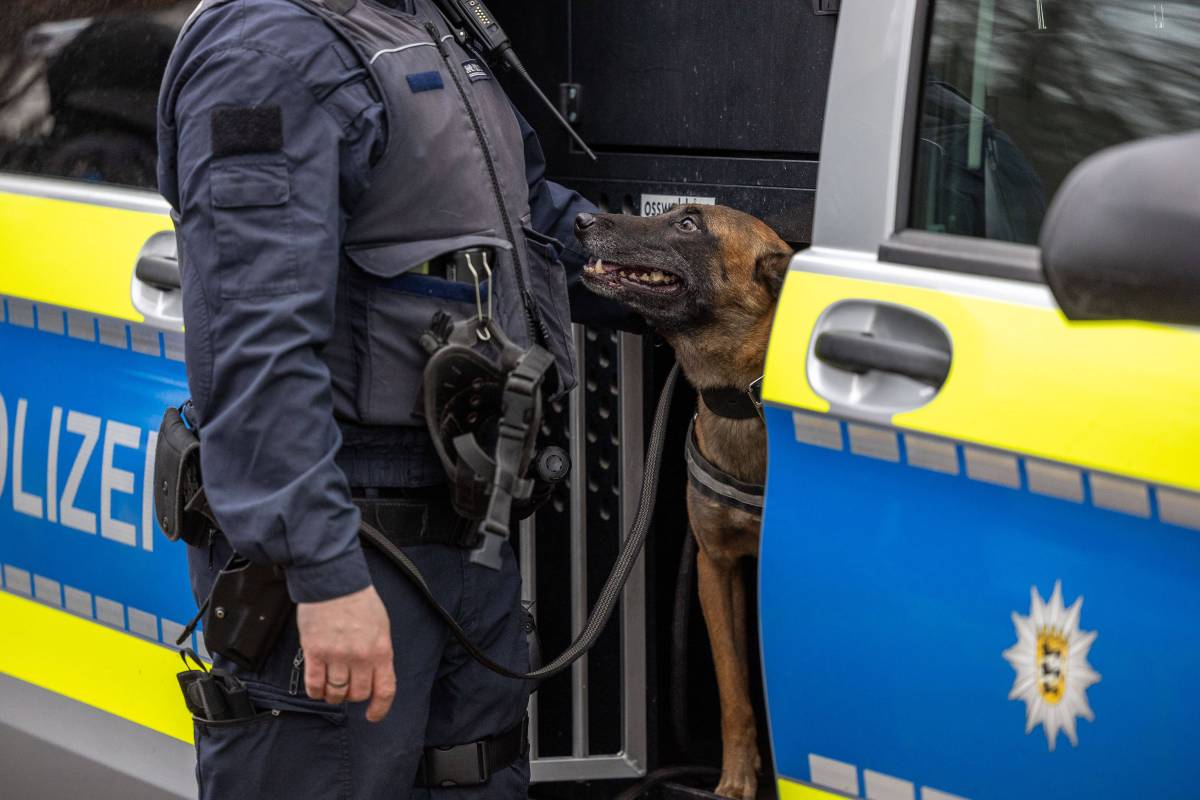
<point x="611" y="592"/>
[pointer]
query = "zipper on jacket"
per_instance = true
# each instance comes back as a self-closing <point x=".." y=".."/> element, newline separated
<point x="536" y="328"/>
<point x="294" y="680"/>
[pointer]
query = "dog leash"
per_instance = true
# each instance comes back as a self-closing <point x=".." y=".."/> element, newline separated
<point x="615" y="583"/>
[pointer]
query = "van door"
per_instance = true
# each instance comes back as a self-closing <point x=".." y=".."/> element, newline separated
<point x="980" y="563"/>
<point x="90" y="354"/>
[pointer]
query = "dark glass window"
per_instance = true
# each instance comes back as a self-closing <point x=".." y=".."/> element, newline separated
<point x="79" y="85"/>
<point x="1015" y="93"/>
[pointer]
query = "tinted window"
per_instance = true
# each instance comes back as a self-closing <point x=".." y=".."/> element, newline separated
<point x="79" y="84"/>
<point x="1017" y="92"/>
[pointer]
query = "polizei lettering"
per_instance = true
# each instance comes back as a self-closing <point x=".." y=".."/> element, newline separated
<point x="47" y="456"/>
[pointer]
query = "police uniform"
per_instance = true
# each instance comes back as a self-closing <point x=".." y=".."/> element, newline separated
<point x="316" y="153"/>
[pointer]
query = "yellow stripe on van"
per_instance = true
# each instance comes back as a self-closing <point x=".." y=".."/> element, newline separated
<point x="86" y="661"/>
<point x="76" y="255"/>
<point x="1119" y="397"/>
<point x="788" y="790"/>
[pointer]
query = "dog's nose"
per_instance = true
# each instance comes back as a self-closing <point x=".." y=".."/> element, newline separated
<point x="584" y="221"/>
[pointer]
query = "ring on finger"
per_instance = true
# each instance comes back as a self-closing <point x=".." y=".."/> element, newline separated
<point x="340" y="685"/>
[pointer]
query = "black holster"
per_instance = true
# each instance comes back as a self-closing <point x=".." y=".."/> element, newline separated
<point x="247" y="610"/>
<point x="249" y="603"/>
<point x="179" y="502"/>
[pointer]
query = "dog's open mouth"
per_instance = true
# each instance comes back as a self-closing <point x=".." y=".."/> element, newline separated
<point x="614" y="275"/>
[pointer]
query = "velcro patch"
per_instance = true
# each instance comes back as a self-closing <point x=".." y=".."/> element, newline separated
<point x="239" y="130"/>
<point x="425" y="81"/>
<point x="475" y="71"/>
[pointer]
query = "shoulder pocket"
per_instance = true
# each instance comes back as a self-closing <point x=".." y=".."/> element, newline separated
<point x="241" y="185"/>
<point x="252" y="221"/>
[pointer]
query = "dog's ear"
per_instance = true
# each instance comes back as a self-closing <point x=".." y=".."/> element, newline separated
<point x="771" y="268"/>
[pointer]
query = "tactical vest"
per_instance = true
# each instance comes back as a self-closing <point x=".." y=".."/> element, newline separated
<point x="452" y="176"/>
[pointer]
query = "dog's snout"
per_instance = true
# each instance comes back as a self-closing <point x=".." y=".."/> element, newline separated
<point x="584" y="221"/>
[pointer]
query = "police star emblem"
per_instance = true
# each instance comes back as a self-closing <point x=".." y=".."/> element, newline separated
<point x="1050" y="659"/>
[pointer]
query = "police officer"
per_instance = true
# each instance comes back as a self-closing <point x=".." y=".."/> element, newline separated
<point x="322" y="157"/>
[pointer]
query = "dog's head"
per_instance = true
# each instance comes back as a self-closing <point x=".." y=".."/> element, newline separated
<point x="691" y="268"/>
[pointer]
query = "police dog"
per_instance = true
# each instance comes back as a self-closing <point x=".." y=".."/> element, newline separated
<point x="707" y="279"/>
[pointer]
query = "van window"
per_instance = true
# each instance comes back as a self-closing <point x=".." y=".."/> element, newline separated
<point x="1015" y="93"/>
<point x="78" y="88"/>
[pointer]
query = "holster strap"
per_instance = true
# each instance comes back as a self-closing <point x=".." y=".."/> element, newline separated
<point x="515" y="435"/>
<point x="474" y="763"/>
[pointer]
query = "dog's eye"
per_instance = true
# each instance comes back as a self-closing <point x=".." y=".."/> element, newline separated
<point x="687" y="225"/>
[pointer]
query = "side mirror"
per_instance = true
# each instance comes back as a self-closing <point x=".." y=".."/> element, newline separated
<point x="1122" y="238"/>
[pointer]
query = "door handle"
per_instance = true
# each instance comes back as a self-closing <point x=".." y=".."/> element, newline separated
<point x="873" y="359"/>
<point x="159" y="271"/>
<point x="157" y="285"/>
<point x="863" y="351"/>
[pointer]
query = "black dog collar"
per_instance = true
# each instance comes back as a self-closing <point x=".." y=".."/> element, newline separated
<point x="733" y="403"/>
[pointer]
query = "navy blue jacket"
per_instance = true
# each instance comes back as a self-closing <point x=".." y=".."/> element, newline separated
<point x="261" y="389"/>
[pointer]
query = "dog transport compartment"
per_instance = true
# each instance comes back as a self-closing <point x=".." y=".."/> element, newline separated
<point x="703" y="99"/>
<point x="722" y="102"/>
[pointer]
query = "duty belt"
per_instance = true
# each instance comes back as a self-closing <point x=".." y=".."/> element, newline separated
<point x="406" y="519"/>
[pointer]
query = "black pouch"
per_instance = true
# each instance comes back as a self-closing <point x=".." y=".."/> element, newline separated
<point x="247" y="610"/>
<point x="212" y="695"/>
<point x="179" y="502"/>
<point x="215" y="696"/>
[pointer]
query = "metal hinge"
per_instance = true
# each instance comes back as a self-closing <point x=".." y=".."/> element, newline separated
<point x="568" y="101"/>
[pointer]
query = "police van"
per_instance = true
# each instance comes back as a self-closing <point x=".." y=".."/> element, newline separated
<point x="976" y="577"/>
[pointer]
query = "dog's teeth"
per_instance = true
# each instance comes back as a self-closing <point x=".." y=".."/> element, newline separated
<point x="646" y="276"/>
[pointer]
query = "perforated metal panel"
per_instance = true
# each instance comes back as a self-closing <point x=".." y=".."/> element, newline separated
<point x="591" y="722"/>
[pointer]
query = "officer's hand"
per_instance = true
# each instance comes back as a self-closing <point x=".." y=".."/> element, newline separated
<point x="348" y="651"/>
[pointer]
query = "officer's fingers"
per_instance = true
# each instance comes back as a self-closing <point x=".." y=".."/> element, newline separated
<point x="360" y="682"/>
<point x="337" y="683"/>
<point x="314" y="676"/>
<point x="383" y="692"/>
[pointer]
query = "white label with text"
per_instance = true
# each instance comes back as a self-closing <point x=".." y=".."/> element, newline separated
<point x="654" y="204"/>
